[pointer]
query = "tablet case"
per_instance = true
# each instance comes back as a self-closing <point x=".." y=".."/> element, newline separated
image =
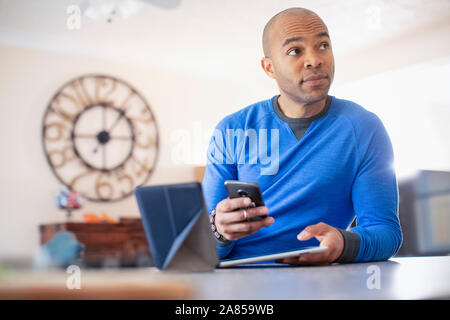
<point x="177" y="227"/>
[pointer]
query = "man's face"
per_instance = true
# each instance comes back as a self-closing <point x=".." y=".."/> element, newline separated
<point x="300" y="48"/>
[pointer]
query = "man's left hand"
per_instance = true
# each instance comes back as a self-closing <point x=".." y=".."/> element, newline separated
<point x="328" y="236"/>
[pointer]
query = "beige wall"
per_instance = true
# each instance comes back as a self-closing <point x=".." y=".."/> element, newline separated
<point x="29" y="78"/>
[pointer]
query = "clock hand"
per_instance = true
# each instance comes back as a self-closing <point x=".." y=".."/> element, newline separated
<point x="106" y="132"/>
<point x="121" y="114"/>
<point x="103" y="138"/>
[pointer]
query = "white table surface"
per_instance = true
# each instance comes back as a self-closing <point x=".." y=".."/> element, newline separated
<point x="400" y="278"/>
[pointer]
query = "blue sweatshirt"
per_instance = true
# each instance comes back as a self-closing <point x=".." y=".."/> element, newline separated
<point x="341" y="167"/>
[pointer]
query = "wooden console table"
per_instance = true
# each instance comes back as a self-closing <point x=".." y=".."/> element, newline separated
<point x="112" y="244"/>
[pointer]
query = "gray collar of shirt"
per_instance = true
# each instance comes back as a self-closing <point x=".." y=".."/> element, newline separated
<point x="299" y="125"/>
<point x="300" y="121"/>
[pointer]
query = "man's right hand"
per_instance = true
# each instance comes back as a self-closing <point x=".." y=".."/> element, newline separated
<point x="232" y="224"/>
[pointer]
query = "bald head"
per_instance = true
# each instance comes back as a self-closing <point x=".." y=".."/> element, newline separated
<point x="308" y="17"/>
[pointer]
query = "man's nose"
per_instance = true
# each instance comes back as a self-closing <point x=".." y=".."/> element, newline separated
<point x="312" y="59"/>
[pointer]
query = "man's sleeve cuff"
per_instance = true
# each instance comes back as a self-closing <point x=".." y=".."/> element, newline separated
<point x="222" y="243"/>
<point x="351" y="246"/>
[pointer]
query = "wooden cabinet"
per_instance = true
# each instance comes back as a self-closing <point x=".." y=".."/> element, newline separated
<point x="106" y="244"/>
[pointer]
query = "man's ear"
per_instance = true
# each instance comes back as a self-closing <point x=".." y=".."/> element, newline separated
<point x="267" y="65"/>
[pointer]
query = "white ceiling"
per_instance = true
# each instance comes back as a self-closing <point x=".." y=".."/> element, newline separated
<point x="208" y="37"/>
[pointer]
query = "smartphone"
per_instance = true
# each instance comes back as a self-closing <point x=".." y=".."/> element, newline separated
<point x="237" y="189"/>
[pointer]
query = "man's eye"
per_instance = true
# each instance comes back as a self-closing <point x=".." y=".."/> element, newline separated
<point x="294" y="52"/>
<point x="324" y="45"/>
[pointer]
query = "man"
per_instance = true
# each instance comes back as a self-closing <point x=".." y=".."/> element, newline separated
<point x="332" y="160"/>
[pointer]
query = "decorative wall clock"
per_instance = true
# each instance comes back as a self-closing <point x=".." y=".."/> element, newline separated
<point x="100" y="137"/>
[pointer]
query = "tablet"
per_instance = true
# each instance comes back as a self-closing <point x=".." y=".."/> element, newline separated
<point x="287" y="254"/>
